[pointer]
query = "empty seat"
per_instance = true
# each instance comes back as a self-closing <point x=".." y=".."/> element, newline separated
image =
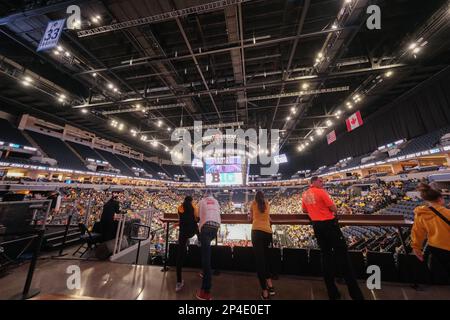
<point x="10" y="134"/>
<point x="57" y="149"/>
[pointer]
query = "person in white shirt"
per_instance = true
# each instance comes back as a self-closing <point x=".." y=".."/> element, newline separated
<point x="209" y="215"/>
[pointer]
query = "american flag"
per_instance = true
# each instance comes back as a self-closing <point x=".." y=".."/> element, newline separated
<point x="331" y="137"/>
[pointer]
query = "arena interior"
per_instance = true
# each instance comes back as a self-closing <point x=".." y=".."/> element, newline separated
<point x="96" y="99"/>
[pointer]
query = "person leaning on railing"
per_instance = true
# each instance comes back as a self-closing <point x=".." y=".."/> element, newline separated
<point x="431" y="222"/>
<point x="188" y="218"/>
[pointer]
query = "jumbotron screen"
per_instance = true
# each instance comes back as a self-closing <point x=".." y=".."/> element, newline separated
<point x="223" y="171"/>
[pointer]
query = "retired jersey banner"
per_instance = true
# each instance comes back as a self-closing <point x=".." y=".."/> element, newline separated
<point x="354" y="121"/>
<point x="51" y="35"/>
<point x="331" y="137"/>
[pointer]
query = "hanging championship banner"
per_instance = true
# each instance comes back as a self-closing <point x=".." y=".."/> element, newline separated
<point x="51" y="35"/>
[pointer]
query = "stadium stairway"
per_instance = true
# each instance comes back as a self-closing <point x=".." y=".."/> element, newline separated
<point x="54" y="235"/>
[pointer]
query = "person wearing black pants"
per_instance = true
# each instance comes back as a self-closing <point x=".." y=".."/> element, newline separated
<point x="321" y="210"/>
<point x="261" y="240"/>
<point x="334" y="253"/>
<point x="188" y="216"/>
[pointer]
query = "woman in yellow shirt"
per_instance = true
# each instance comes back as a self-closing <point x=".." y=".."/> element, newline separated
<point x="261" y="240"/>
<point x="431" y="222"/>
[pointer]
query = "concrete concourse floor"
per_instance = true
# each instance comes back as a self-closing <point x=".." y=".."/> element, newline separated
<point x="106" y="280"/>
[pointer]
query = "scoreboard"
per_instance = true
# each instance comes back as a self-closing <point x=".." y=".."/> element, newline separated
<point x="224" y="171"/>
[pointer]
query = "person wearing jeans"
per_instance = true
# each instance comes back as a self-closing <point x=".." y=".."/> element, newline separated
<point x="209" y="214"/>
<point x="321" y="210"/>
<point x="208" y="233"/>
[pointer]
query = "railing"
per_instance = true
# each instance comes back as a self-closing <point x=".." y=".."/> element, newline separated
<point x="24" y="221"/>
<point x="396" y="221"/>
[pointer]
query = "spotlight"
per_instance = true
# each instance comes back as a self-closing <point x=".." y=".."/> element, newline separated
<point x="27" y="81"/>
<point x="311" y="138"/>
<point x="84" y="111"/>
<point x="349" y="105"/>
<point x="412" y="46"/>
<point x="110" y="86"/>
<point x="334" y="26"/>
<point x="319" y="132"/>
<point x="305" y="86"/>
<point x="169" y="129"/>
<point x="329" y="123"/>
<point x="388" y="74"/>
<point x="159" y="124"/>
<point x="288" y="118"/>
<point x="94" y="74"/>
<point x="61" y="98"/>
<point x="293" y="110"/>
<point x="154" y="143"/>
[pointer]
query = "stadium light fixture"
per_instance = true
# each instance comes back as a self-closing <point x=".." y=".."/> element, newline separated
<point x="349" y="105"/>
<point x="27" y="81"/>
<point x="311" y="138"/>
<point x="388" y="74"/>
<point x="294" y="110"/>
<point x="159" y="123"/>
<point x="94" y="74"/>
<point x="84" y="111"/>
<point x="155" y="143"/>
<point x="121" y="126"/>
<point x="329" y="123"/>
<point x="305" y="86"/>
<point x="319" y="132"/>
<point x="288" y="118"/>
<point x="61" y="98"/>
<point x="169" y="129"/>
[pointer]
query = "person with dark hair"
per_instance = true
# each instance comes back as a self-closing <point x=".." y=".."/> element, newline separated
<point x="188" y="218"/>
<point x="432" y="222"/>
<point x="107" y="225"/>
<point x="316" y="202"/>
<point x="261" y="240"/>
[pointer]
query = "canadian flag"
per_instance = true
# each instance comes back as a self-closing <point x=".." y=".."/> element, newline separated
<point x="354" y="121"/>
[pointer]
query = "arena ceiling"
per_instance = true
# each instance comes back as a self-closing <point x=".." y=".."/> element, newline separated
<point x="293" y="65"/>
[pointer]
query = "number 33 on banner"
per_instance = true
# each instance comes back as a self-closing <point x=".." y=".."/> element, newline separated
<point x="51" y="35"/>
